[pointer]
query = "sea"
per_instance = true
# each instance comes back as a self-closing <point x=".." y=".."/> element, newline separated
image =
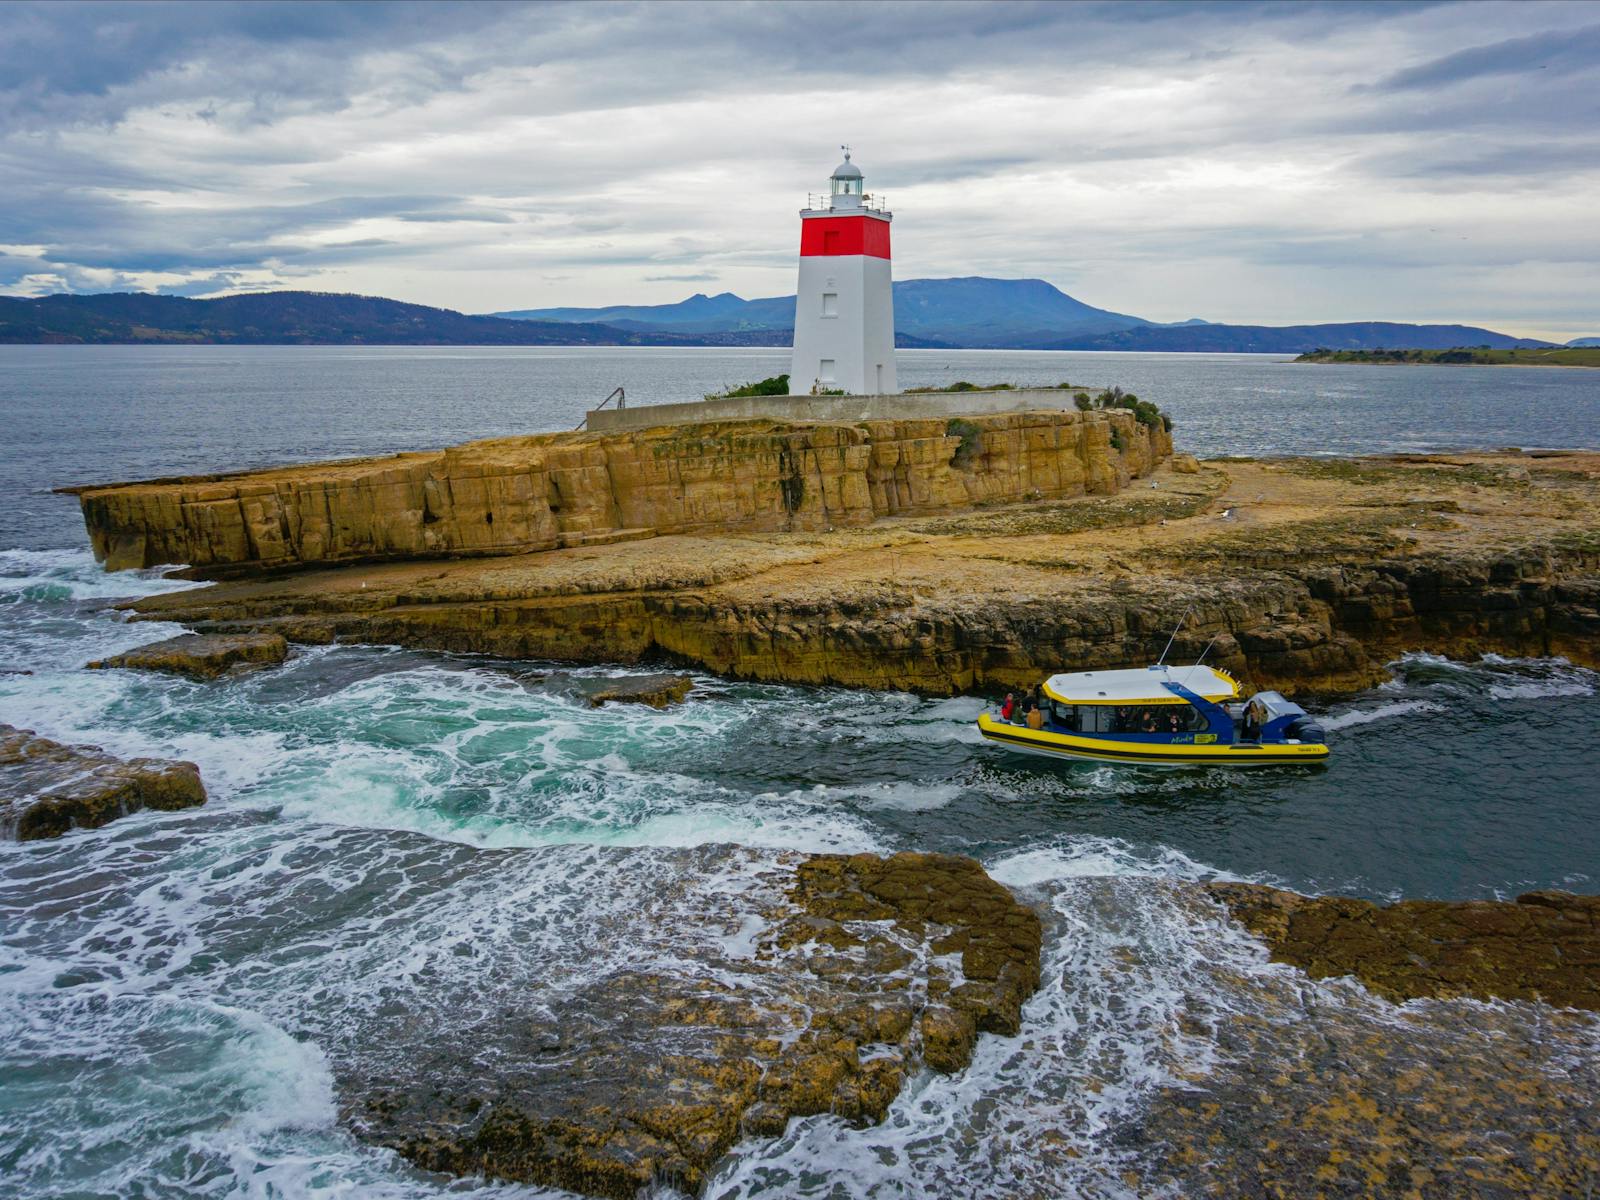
<point x="177" y="990"/>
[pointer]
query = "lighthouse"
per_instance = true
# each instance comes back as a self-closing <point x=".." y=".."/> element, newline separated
<point x="844" y="304"/>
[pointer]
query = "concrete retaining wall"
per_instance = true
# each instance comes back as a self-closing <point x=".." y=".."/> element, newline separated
<point x="899" y="406"/>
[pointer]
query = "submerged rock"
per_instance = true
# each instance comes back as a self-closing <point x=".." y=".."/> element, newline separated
<point x="1326" y="1089"/>
<point x="824" y="999"/>
<point x="658" y="691"/>
<point x="1546" y="946"/>
<point x="47" y="788"/>
<point x="201" y="655"/>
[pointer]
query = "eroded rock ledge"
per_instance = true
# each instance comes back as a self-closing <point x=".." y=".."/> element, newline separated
<point x="1334" y="1091"/>
<point x="47" y="788"/>
<point x="1546" y="946"/>
<point x="869" y="967"/>
<point x="201" y="656"/>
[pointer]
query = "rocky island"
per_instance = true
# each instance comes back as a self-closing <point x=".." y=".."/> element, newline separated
<point x="940" y="556"/>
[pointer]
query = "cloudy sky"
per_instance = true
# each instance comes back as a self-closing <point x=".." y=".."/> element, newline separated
<point x="1266" y="164"/>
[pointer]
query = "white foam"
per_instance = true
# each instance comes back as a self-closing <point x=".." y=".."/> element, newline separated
<point x="1541" y="689"/>
<point x="1383" y="712"/>
<point x="1136" y="975"/>
<point x="903" y="795"/>
<point x="1498" y="677"/>
<point x="1081" y="857"/>
<point x="61" y="575"/>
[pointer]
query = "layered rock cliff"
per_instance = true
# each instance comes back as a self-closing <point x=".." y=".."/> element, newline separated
<point x="514" y="495"/>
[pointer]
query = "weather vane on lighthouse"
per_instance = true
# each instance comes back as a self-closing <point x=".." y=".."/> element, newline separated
<point x="844" y="303"/>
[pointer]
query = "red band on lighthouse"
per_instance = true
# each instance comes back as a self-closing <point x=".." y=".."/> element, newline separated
<point x="844" y="235"/>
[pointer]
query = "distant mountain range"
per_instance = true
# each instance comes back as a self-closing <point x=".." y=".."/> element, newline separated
<point x="1022" y="314"/>
<point x="287" y="318"/>
<point x="1026" y="314"/>
<point x="319" y="319"/>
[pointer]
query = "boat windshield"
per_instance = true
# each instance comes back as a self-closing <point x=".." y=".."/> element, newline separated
<point x="1128" y="718"/>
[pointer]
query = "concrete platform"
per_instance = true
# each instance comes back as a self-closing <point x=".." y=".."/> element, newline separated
<point x="900" y="405"/>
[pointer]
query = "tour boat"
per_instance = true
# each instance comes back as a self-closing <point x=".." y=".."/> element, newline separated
<point x="1161" y="716"/>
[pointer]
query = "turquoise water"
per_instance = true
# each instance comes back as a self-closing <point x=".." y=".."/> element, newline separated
<point x="390" y="828"/>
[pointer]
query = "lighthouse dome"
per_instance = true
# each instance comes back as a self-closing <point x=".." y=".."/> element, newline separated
<point x="845" y="185"/>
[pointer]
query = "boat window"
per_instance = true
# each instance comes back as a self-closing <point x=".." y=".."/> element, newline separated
<point x="1132" y="718"/>
<point x="1065" y="715"/>
<point x="1096" y="718"/>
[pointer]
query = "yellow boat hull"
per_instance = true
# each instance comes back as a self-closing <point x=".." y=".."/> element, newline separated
<point x="1157" y="754"/>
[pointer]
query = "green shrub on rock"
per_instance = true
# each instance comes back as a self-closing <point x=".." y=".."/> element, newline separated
<point x="778" y="385"/>
<point x="971" y="441"/>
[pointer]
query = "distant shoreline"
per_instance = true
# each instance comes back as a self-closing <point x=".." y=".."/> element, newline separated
<point x="1463" y="356"/>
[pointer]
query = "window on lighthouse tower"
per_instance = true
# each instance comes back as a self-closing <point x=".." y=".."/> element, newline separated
<point x="847" y="187"/>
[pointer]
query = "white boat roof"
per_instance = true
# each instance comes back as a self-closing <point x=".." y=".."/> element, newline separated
<point x="1138" y="685"/>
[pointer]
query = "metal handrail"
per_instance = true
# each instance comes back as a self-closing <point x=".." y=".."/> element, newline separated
<point x="820" y="201"/>
<point x="617" y="394"/>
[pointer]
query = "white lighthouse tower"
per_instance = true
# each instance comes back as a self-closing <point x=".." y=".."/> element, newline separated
<point x="844" y="305"/>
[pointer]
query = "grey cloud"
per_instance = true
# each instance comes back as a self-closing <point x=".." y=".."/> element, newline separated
<point x="206" y="285"/>
<point x="514" y="139"/>
<point x="1559" y="52"/>
<point x="1452" y="159"/>
<point x="84" y="61"/>
<point x="445" y="216"/>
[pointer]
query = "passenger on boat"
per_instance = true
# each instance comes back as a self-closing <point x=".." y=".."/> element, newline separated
<point x="1008" y="707"/>
<point x="1252" y="722"/>
<point x="1035" y="718"/>
<point x="1173" y="724"/>
<point x="1123" y="722"/>
<point x="1148" y="724"/>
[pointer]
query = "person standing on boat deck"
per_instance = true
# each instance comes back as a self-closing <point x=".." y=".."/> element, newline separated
<point x="1008" y="707"/>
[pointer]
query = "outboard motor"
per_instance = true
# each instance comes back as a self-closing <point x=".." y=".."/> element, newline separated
<point x="1284" y="720"/>
<point x="1305" y="729"/>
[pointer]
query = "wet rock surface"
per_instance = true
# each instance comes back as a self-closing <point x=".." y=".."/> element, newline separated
<point x="47" y="788"/>
<point x="1328" y="1090"/>
<point x="658" y="691"/>
<point x="1176" y="1059"/>
<point x="201" y="655"/>
<point x="1545" y="946"/>
<point x="822" y="998"/>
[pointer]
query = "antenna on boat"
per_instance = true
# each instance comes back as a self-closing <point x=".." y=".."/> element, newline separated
<point x="1162" y="660"/>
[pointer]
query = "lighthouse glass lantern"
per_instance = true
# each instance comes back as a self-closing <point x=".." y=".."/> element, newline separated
<point x="844" y="302"/>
